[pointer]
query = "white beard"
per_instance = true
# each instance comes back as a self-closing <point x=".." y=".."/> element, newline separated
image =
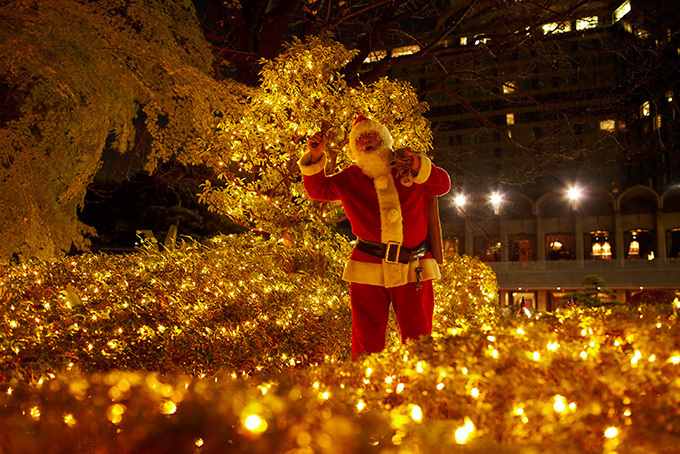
<point x="376" y="163"/>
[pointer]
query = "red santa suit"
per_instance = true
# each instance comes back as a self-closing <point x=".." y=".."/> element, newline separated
<point x="385" y="210"/>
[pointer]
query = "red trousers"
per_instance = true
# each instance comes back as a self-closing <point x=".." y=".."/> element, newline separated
<point x="371" y="309"/>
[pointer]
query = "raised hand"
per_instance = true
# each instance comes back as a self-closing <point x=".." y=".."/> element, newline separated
<point x="316" y="145"/>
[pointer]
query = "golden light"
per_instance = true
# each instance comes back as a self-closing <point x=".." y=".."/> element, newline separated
<point x="611" y="432"/>
<point x="69" y="420"/>
<point x="35" y="413"/>
<point x="115" y="413"/>
<point x="559" y="404"/>
<point x="461" y="435"/>
<point x="634" y="360"/>
<point x="416" y="413"/>
<point x="255" y="424"/>
<point x="168" y="407"/>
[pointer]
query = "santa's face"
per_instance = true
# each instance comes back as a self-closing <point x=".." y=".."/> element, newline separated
<point x="368" y="142"/>
<point x="371" y="156"/>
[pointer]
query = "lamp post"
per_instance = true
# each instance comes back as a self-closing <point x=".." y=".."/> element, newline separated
<point x="495" y="198"/>
<point x="460" y="200"/>
<point x="574" y="194"/>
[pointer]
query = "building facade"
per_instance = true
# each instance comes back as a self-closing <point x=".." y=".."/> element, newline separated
<point x="564" y="152"/>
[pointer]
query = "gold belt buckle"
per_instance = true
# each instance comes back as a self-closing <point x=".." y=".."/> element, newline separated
<point x="389" y="251"/>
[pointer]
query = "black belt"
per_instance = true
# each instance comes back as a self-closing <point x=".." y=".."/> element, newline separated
<point x="391" y="252"/>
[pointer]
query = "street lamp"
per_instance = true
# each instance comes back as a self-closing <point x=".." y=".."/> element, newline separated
<point x="574" y="194"/>
<point x="460" y="200"/>
<point x="496" y="200"/>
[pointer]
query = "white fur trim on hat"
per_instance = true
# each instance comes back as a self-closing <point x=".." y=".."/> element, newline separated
<point x="368" y="125"/>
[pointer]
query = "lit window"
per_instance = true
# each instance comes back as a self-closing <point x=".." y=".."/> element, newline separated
<point x="510" y="118"/>
<point x="608" y="125"/>
<point x="657" y="122"/>
<point x="586" y="22"/>
<point x="601" y="249"/>
<point x="405" y="50"/>
<point x="644" y="109"/>
<point x="375" y="56"/>
<point x="597" y="250"/>
<point x="634" y="249"/>
<point x="554" y="27"/>
<point x="669" y="96"/>
<point x="463" y="40"/>
<point x="622" y="10"/>
<point x="508" y="87"/>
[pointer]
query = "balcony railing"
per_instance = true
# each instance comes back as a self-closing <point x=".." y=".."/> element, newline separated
<point x="570" y="273"/>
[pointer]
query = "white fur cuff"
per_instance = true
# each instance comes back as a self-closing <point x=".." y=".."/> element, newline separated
<point x="424" y="172"/>
<point x="308" y="168"/>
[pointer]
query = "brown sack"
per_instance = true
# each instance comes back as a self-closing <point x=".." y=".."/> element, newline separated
<point x="434" y="230"/>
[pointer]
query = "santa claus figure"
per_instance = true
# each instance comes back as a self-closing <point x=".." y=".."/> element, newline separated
<point x="390" y="263"/>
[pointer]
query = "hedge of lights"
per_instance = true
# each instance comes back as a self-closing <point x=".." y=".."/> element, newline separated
<point x="243" y="345"/>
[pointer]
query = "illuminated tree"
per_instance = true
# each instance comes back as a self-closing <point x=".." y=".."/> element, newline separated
<point x="256" y="155"/>
<point x="80" y="79"/>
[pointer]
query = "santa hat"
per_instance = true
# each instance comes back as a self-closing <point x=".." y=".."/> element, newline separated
<point x="363" y="124"/>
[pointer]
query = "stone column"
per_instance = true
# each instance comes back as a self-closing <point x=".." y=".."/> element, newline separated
<point x="540" y="239"/>
<point x="661" y="251"/>
<point x="618" y="239"/>
<point x="578" y="236"/>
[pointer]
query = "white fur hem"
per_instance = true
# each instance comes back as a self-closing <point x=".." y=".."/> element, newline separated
<point x="399" y="273"/>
